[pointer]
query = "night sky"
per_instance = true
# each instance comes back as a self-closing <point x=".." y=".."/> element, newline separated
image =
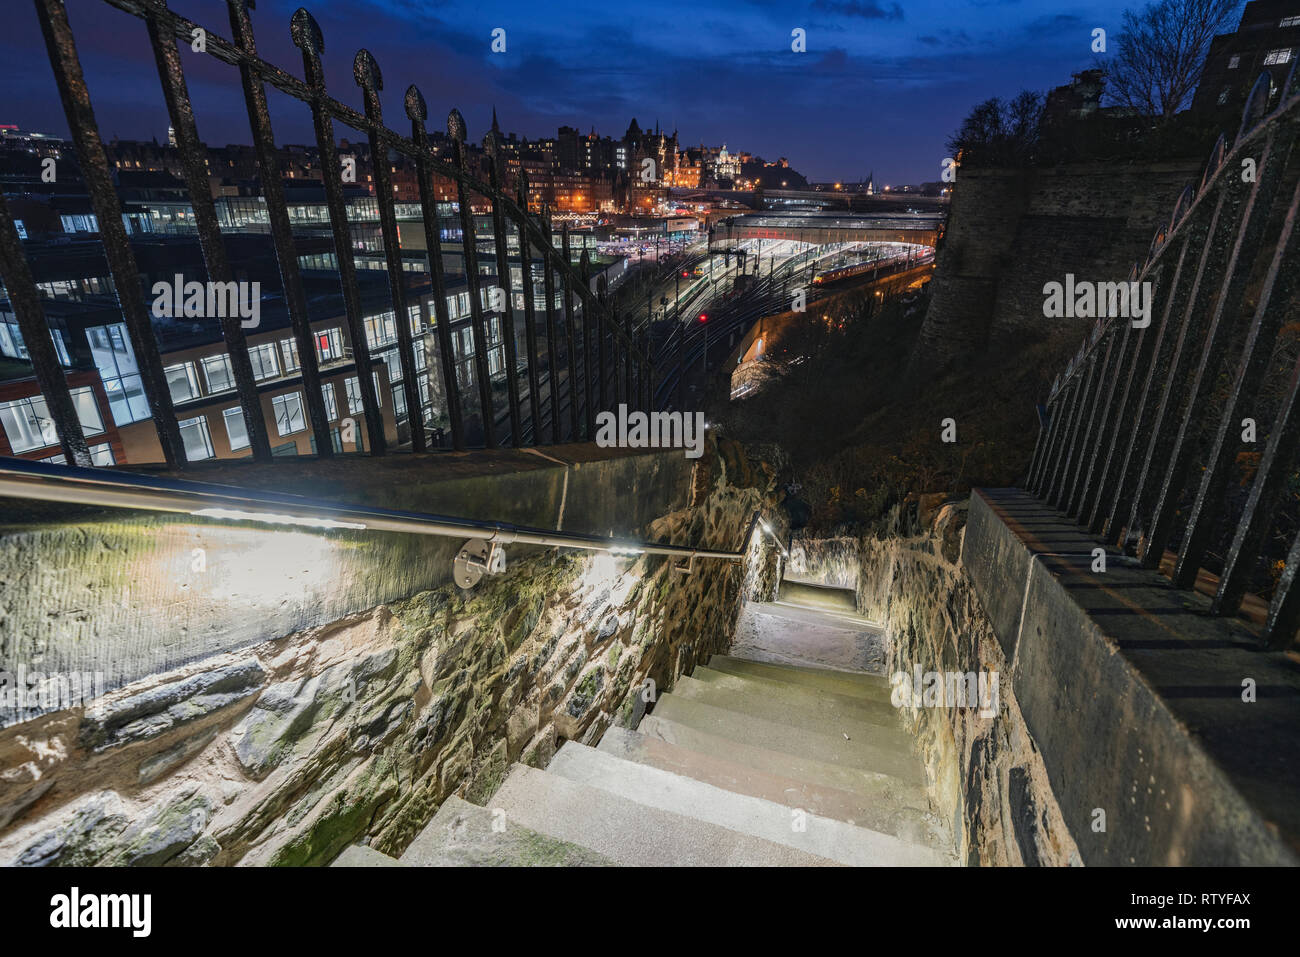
<point x="881" y="86"/>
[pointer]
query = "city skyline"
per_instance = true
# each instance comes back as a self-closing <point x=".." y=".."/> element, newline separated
<point x="720" y="72"/>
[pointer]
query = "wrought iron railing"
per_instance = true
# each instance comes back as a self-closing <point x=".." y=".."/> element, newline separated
<point x="615" y="363"/>
<point x="1146" y="419"/>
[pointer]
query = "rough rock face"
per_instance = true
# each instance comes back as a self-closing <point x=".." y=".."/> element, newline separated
<point x="985" y="771"/>
<point x="289" y="751"/>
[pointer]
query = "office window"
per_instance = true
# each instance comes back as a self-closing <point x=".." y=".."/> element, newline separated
<point x="289" y="347"/>
<point x="236" y="430"/>
<point x="329" y="345"/>
<point x="1290" y="22"/>
<point x="59" y="459"/>
<point x="391" y="359"/>
<point x="196" y="439"/>
<point x="1274" y="57"/>
<point x="352" y="388"/>
<point x="61" y="348"/>
<point x="119" y="372"/>
<point x="102" y="455"/>
<point x="28" y="424"/>
<point x="421" y="357"/>
<point x="331" y="406"/>
<point x="1234" y="62"/>
<point x="289" y="416"/>
<point x="265" y="363"/>
<point x="381" y="330"/>
<point x="87" y="410"/>
<point x="182" y="381"/>
<point x="399" y="404"/>
<point x="218" y="373"/>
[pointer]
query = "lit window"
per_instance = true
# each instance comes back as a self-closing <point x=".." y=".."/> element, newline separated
<point x="196" y="439"/>
<point x="235" y="428"/>
<point x="289" y="417"/>
<point x="331" y="405"/>
<point x="380" y="330"/>
<point x="1234" y="62"/>
<point x="1275" y="57"/>
<point x="329" y="345"/>
<point x="290" y="349"/>
<point x="218" y="373"/>
<point x="182" y="381"/>
<point x="102" y="455"/>
<point x="119" y="372"/>
<point x="1290" y="22"/>
<point x="265" y="363"/>
<point x="28" y="424"/>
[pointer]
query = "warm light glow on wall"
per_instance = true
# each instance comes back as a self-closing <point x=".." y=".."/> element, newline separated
<point x="253" y="568"/>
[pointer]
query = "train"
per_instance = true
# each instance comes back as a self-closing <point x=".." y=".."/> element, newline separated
<point x="858" y="269"/>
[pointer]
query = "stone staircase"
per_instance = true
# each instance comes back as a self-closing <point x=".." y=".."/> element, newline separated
<point x="747" y="762"/>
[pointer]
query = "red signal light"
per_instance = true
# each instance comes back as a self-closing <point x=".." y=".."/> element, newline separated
<point x="704" y="317"/>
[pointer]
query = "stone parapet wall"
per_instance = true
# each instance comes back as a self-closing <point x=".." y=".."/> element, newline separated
<point x="285" y="738"/>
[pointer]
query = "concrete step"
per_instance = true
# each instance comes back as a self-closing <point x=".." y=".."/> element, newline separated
<point x="630" y="833"/>
<point x="879" y="751"/>
<point x="872" y="810"/>
<point x="877" y="789"/>
<point x="790" y="704"/>
<point x="807" y="595"/>
<point x="461" y="835"/>
<point x="773" y="821"/>
<point x="854" y="684"/>
<point x="358" y="855"/>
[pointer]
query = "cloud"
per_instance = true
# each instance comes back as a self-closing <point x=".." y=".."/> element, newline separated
<point x="857" y="8"/>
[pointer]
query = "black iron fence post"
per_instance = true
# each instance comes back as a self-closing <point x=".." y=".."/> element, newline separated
<point x="16" y="274"/>
<point x="469" y="246"/>
<point x="259" y="119"/>
<point x="570" y="318"/>
<point x="418" y="112"/>
<point x="122" y="267"/>
<point x="181" y="113"/>
<point x="368" y="76"/>
<point x="530" y="311"/>
<point x="505" y="282"/>
<point x="307" y="37"/>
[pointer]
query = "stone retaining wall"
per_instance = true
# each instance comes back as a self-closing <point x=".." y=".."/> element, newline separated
<point x="283" y="736"/>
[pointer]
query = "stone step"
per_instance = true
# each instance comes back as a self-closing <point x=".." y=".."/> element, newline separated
<point x="461" y="835"/>
<point x="807" y="595"/>
<point x="881" y="790"/>
<point x="874" y="707"/>
<point x="854" y="684"/>
<point x="794" y="827"/>
<point x="916" y="825"/>
<point x="791" y="704"/>
<point x="879" y="751"/>
<point x="358" y="855"/>
<point x="630" y="833"/>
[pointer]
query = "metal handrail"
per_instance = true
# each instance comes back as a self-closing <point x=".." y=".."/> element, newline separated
<point x="41" y="481"/>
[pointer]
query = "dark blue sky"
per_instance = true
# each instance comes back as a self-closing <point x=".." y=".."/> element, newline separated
<point x="881" y="86"/>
